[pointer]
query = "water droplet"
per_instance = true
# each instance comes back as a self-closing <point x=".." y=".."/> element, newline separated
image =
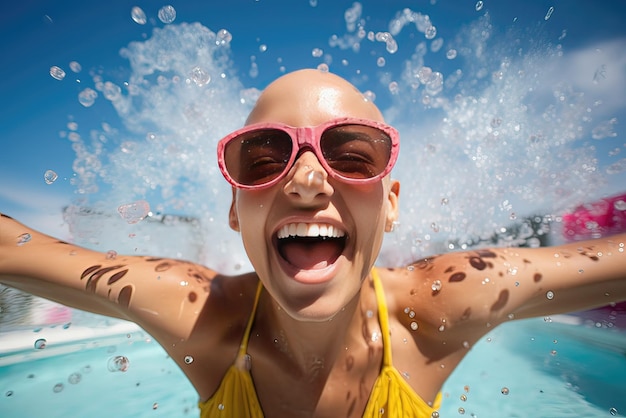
<point x="463" y="398"/>
<point x="435" y="414"/>
<point x="57" y="73"/>
<point x="58" y="388"/>
<point x="613" y="411"/>
<point x="134" y="212"/>
<point x="74" y="378"/>
<point x="436" y="286"/>
<point x="504" y="390"/>
<point x="220" y="407"/>
<point x="223" y="37"/>
<point x="155" y="406"/>
<point x="50" y="176"/>
<point x="40" y="344"/>
<point x="8" y="393"/>
<point x="87" y="97"/>
<point x="188" y="359"/>
<point x="118" y="364"/>
<point x="66" y="326"/>
<point x="23" y="239"/>
<point x="430" y="32"/>
<point x="550" y="294"/>
<point x="138" y="15"/>
<point x="200" y="77"/>
<point x="75" y="67"/>
<point x="414" y="326"/>
<point x="167" y="14"/>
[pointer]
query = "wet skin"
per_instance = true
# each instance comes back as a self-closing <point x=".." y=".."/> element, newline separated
<point x="315" y="345"/>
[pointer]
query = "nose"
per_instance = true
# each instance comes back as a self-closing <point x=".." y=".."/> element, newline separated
<point x="307" y="180"/>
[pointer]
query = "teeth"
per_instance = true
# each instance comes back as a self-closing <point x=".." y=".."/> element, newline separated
<point x="309" y="230"/>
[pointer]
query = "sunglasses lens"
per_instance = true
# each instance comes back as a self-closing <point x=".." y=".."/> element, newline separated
<point x="356" y="151"/>
<point x="258" y="157"/>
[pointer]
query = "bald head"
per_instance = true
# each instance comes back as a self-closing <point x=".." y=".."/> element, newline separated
<point x="310" y="97"/>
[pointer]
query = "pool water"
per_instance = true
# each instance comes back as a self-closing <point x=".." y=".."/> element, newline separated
<point x="552" y="368"/>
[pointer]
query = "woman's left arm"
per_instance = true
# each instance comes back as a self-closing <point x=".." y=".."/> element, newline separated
<point x="566" y="278"/>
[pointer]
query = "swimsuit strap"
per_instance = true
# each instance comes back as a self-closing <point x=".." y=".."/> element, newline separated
<point x="243" y="348"/>
<point x="383" y="317"/>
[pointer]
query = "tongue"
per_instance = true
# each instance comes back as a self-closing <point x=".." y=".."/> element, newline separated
<point x="311" y="255"/>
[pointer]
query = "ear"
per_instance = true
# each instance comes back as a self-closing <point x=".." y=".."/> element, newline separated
<point x="233" y="218"/>
<point x="392" y="205"/>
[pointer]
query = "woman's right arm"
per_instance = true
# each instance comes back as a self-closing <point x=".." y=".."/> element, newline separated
<point x="163" y="294"/>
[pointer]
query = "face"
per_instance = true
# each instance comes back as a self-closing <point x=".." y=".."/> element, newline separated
<point x="313" y="239"/>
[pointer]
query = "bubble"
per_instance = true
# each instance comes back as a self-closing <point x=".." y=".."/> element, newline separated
<point x="138" y="15"/>
<point x="167" y="14"/>
<point x="57" y="73"/>
<point x="220" y="407"/>
<point x="118" y="364"/>
<point x="111" y="255"/>
<point x="550" y="294"/>
<point x="317" y="52"/>
<point x="613" y="411"/>
<point x="549" y="13"/>
<point x="23" y="239"/>
<point x="394" y="88"/>
<point x="8" y="393"/>
<point x="620" y="205"/>
<point x="461" y="411"/>
<point x="436" y="286"/>
<point x="430" y="32"/>
<point x="50" y="176"/>
<point x="435" y="414"/>
<point x="479" y="5"/>
<point x="200" y="77"/>
<point x="134" y="212"/>
<point x="111" y="91"/>
<point x="87" y="97"/>
<point x="451" y="54"/>
<point x="155" y="406"/>
<point x="74" y="378"/>
<point x="414" y="326"/>
<point x="380" y="62"/>
<point x="58" y="388"/>
<point x="223" y="37"/>
<point x="75" y="67"/>
<point x="188" y="359"/>
<point x="504" y="390"/>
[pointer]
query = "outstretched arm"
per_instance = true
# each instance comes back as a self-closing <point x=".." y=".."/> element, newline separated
<point x="160" y="294"/>
<point x="482" y="288"/>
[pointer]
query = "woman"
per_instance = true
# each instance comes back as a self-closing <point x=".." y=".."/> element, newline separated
<point x="315" y="330"/>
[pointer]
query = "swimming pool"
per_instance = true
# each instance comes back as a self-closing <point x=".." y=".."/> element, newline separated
<point x="487" y="74"/>
<point x="551" y="368"/>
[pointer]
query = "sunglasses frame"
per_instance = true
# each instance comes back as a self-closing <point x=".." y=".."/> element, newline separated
<point x="309" y="137"/>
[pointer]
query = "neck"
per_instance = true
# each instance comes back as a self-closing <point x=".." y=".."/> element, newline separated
<point x="312" y="346"/>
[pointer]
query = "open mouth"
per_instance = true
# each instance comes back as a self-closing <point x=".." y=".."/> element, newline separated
<point x="310" y="246"/>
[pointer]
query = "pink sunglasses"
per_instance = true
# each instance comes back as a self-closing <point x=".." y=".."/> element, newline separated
<point x="355" y="151"/>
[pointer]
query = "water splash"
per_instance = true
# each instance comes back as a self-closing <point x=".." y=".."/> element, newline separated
<point x="497" y="122"/>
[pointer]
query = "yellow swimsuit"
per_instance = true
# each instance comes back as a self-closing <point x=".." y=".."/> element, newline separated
<point x="391" y="395"/>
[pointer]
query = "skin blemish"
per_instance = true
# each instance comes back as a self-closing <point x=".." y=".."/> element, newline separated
<point x="192" y="297"/>
<point x="466" y="314"/>
<point x="163" y="266"/>
<point x="457" y="277"/>
<point x="537" y="277"/>
<point x="125" y="295"/>
<point x="503" y="298"/>
<point x="478" y="263"/>
<point x="117" y="276"/>
<point x="486" y="254"/>
<point x="92" y="281"/>
<point x="89" y="270"/>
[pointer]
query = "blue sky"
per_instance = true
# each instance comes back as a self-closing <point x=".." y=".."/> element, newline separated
<point x="43" y="33"/>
